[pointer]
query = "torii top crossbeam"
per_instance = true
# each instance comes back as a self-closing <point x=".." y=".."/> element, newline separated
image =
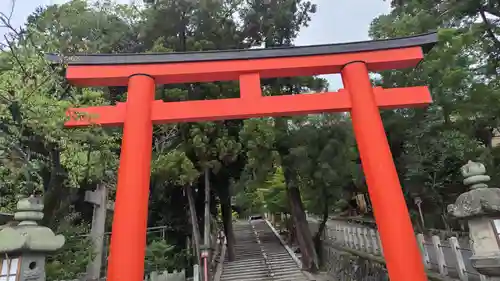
<point x="141" y="72"/>
<point x="247" y="66"/>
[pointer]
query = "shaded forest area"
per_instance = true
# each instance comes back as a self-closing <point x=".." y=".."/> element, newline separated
<point x="290" y="165"/>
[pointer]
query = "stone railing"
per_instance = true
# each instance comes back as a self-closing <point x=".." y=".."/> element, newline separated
<point x="219" y="247"/>
<point x="444" y="257"/>
<point x="167" y="276"/>
<point x="220" y="262"/>
<point x="153" y="276"/>
<point x="352" y="248"/>
<point x="448" y="258"/>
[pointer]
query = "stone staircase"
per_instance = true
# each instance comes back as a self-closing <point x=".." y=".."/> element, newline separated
<point x="260" y="256"/>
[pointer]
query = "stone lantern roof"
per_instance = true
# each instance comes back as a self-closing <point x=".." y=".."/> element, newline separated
<point x="27" y="235"/>
<point x="479" y="200"/>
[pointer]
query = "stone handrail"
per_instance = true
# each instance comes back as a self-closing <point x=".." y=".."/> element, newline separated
<point x="378" y="259"/>
<point x="444" y="258"/>
<point x="220" y="264"/>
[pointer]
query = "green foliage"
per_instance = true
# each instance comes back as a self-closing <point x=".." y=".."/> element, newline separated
<point x="39" y="155"/>
<point x="249" y="159"/>
<point x="36" y="149"/>
<point x="235" y="215"/>
<point x="174" y="167"/>
<point x="274" y="194"/>
<point x="462" y="71"/>
<point x="321" y="152"/>
<point x="71" y="261"/>
<point x="161" y="256"/>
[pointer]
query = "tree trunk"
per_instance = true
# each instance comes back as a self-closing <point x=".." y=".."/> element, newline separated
<point x="206" y="231"/>
<point x="318" y="242"/>
<point x="303" y="233"/>
<point x="54" y="193"/>
<point x="194" y="223"/>
<point x="227" y="220"/>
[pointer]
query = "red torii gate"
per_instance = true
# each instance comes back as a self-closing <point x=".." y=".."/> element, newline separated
<point x="141" y="72"/>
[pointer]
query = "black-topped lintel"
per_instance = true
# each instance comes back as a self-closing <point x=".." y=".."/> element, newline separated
<point x="426" y="41"/>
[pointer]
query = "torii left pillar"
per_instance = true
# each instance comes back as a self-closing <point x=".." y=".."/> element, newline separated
<point x="130" y="220"/>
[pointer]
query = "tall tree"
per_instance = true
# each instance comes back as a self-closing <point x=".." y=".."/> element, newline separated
<point x="276" y="23"/>
<point x="430" y="145"/>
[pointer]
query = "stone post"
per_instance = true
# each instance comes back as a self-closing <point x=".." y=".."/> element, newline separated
<point x="99" y="198"/>
<point x="23" y="247"/>
<point x="479" y="206"/>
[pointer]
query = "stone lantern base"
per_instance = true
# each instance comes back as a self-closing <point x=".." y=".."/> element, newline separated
<point x="487" y="265"/>
<point x="479" y="206"/>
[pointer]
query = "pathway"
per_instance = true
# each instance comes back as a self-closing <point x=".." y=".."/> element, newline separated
<point x="260" y="256"/>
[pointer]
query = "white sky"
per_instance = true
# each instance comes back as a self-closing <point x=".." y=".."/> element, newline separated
<point x="336" y="21"/>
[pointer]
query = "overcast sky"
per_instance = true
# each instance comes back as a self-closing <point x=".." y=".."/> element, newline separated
<point x="336" y="21"/>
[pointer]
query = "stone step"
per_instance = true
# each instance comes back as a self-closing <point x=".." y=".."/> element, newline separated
<point x="250" y="264"/>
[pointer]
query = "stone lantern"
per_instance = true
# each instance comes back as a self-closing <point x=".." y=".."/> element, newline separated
<point x="479" y="206"/>
<point x="23" y="247"/>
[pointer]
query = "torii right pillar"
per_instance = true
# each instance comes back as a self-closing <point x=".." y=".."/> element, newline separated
<point x="394" y="224"/>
